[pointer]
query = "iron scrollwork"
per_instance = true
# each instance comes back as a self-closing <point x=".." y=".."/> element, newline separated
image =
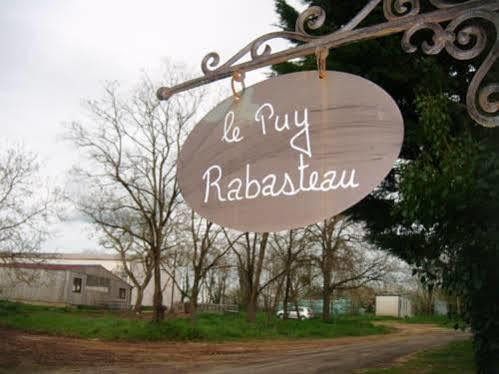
<point x="314" y="17"/>
<point x="394" y="9"/>
<point x="463" y="38"/>
<point x="464" y="41"/>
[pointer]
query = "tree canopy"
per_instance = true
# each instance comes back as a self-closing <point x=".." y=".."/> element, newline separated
<point x="438" y="207"/>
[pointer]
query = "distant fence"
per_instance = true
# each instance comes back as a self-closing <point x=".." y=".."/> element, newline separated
<point x="115" y="304"/>
<point x="206" y="308"/>
<point x="338" y="306"/>
<point x="218" y="308"/>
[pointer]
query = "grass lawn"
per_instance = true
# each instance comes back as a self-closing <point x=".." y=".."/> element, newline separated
<point x="440" y="320"/>
<point x="206" y="327"/>
<point x="456" y="358"/>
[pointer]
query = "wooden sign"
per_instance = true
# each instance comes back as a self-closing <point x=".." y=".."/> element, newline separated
<point x="295" y="150"/>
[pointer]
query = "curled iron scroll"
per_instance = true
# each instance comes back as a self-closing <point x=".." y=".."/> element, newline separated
<point x="394" y="9"/>
<point x="461" y="38"/>
<point x="464" y="41"/>
<point x="314" y="17"/>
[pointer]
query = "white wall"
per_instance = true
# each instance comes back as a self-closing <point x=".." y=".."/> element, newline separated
<point x="387" y="306"/>
<point x="395" y="306"/>
<point x="405" y="307"/>
<point x="48" y="286"/>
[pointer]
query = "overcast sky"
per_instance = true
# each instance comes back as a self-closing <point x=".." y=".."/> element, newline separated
<point x="57" y="53"/>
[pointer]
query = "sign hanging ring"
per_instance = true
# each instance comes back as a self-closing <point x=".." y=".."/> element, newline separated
<point x="321" y="55"/>
<point x="238" y="77"/>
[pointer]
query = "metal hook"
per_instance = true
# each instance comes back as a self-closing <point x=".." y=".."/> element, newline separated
<point x="321" y="56"/>
<point x="238" y="77"/>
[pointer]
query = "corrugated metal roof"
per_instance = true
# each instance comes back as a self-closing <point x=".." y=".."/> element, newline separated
<point x="43" y="266"/>
<point x="97" y="256"/>
<point x="61" y="267"/>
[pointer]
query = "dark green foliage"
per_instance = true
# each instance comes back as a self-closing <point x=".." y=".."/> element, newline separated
<point x="438" y="209"/>
<point x="449" y="210"/>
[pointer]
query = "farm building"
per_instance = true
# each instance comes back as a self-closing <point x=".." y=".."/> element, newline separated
<point x="63" y="285"/>
<point x="393" y="305"/>
<point x="114" y="264"/>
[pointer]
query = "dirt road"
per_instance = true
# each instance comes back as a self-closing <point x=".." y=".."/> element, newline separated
<point x="27" y="353"/>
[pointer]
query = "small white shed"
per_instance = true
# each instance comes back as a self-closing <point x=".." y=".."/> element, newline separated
<point x="393" y="305"/>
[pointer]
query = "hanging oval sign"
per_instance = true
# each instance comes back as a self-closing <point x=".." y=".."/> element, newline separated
<point x="293" y="151"/>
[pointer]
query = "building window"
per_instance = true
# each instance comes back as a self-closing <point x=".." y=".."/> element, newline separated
<point x="77" y="285"/>
<point x="122" y="293"/>
<point x="98" y="284"/>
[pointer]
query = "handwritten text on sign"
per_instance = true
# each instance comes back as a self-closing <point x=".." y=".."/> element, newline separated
<point x="275" y="185"/>
<point x="295" y="150"/>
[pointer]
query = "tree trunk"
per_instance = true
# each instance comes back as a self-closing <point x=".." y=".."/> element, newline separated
<point x="194" y="298"/>
<point x="255" y="283"/>
<point x="159" y="309"/>
<point x="244" y="289"/>
<point x="277" y="296"/>
<point x="138" y="301"/>
<point x="251" y="308"/>
<point x="429" y="306"/>
<point x="223" y="290"/>
<point x="326" y="306"/>
<point x="326" y="295"/>
<point x="172" y="296"/>
<point x="288" y="281"/>
<point x="286" y="295"/>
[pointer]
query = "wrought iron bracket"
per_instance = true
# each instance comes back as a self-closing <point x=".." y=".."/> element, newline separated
<point x="464" y="38"/>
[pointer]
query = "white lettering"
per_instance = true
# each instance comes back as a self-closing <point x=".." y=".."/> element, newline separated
<point x="304" y="125"/>
<point x="251" y="182"/>
<point x="305" y="131"/>
<point x="229" y="137"/>
<point x="283" y="127"/>
<point x="266" y="187"/>
<point x="288" y="183"/>
<point x="328" y="183"/>
<point x="260" y="118"/>
<point x="215" y="184"/>
<point x="234" y="192"/>
<point x="350" y="183"/>
<point x="272" y="185"/>
<point x="301" y="168"/>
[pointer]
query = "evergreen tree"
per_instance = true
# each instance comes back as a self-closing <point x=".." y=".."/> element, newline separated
<point x="445" y="219"/>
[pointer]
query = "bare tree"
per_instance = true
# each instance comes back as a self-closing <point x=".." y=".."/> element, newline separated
<point x="205" y="251"/>
<point x="135" y="258"/>
<point x="344" y="261"/>
<point x="288" y="247"/>
<point x="250" y="254"/>
<point x="217" y="280"/>
<point x="25" y="206"/>
<point x="200" y="251"/>
<point x="174" y="260"/>
<point x="250" y="251"/>
<point x="131" y="151"/>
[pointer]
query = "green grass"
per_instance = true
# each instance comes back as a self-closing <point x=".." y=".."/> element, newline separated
<point x="457" y="357"/>
<point x="440" y="320"/>
<point x="206" y="327"/>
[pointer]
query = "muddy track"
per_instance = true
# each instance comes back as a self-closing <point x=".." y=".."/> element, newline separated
<point x="22" y="352"/>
